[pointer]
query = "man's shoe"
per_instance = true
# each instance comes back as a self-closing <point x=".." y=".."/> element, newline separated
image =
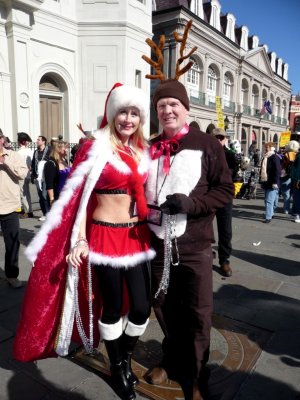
<point x="267" y="221"/>
<point x="23" y="215"/>
<point x="43" y="218"/>
<point x="30" y="215"/>
<point x="156" y="376"/>
<point x="15" y="283"/>
<point x="226" y="269"/>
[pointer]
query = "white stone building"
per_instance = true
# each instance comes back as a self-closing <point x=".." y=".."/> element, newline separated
<point x="59" y="59"/>
<point x="229" y="63"/>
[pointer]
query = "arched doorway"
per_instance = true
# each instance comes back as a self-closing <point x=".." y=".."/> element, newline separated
<point x="244" y="141"/>
<point x="51" y="91"/>
<point x="275" y="140"/>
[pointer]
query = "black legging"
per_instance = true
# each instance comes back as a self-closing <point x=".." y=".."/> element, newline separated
<point x="111" y="282"/>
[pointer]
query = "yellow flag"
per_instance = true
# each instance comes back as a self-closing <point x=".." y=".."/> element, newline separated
<point x="219" y="112"/>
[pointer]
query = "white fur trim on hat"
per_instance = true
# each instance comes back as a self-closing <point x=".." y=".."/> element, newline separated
<point x="127" y="96"/>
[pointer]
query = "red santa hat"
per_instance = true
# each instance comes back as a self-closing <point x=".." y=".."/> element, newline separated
<point x="125" y="96"/>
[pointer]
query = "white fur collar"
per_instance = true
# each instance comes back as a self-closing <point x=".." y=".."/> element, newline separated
<point x="184" y="175"/>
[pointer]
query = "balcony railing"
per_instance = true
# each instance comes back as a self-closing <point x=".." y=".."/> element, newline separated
<point x="203" y="99"/>
<point x="228" y="106"/>
<point x="246" y="109"/>
<point x="200" y="99"/>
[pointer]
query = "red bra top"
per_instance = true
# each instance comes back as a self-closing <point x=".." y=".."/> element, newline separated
<point x="114" y="181"/>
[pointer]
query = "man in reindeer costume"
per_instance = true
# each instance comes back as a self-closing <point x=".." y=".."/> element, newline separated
<point x="188" y="181"/>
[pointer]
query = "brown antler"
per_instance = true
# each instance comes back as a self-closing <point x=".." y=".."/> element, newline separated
<point x="183" y="40"/>
<point x="159" y="55"/>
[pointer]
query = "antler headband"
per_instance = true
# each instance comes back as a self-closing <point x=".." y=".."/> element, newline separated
<point x="157" y="49"/>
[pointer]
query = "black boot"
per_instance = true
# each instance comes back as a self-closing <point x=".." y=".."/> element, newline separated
<point x="128" y="344"/>
<point x="120" y="383"/>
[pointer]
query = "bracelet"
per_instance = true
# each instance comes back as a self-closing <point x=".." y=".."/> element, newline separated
<point x="81" y="240"/>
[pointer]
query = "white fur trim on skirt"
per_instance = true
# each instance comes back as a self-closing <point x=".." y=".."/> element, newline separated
<point x="119" y="262"/>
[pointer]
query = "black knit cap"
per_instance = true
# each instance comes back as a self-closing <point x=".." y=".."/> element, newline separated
<point x="171" y="88"/>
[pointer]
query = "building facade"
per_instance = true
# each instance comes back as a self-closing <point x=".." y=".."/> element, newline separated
<point x="59" y="59"/>
<point x="295" y="116"/>
<point x="230" y="64"/>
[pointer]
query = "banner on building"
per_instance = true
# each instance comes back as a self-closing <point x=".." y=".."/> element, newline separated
<point x="219" y="112"/>
<point x="285" y="137"/>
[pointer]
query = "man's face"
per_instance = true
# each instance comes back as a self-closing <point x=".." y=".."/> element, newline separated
<point x="172" y="115"/>
<point x="40" y="142"/>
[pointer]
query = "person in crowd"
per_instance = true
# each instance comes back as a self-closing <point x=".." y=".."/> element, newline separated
<point x="224" y="214"/>
<point x="98" y="220"/>
<point x="291" y="150"/>
<point x="12" y="170"/>
<point x="8" y="144"/>
<point x="295" y="182"/>
<point x="56" y="169"/>
<point x="26" y="153"/>
<point x="256" y="158"/>
<point x="270" y="179"/>
<point x="188" y="181"/>
<point x="39" y="159"/>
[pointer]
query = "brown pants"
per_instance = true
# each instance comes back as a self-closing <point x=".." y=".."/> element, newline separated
<point x="185" y="312"/>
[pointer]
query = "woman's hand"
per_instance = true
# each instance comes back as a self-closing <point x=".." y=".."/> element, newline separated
<point x="79" y="251"/>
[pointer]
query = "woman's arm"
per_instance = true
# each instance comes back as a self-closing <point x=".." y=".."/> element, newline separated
<point x="51" y="196"/>
<point x="81" y="247"/>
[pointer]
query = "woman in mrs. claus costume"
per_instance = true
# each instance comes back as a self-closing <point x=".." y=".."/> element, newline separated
<point x="95" y="228"/>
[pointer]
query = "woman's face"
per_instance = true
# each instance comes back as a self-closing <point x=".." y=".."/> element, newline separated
<point x="62" y="150"/>
<point x="127" y="122"/>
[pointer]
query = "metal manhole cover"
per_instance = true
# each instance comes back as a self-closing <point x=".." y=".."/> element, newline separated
<point x="235" y="347"/>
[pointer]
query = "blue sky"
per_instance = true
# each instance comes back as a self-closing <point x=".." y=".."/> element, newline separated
<point x="276" y="23"/>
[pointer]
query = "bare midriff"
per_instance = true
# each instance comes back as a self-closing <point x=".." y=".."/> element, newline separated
<point x="114" y="208"/>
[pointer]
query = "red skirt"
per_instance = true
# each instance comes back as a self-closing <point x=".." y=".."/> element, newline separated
<point x="120" y="245"/>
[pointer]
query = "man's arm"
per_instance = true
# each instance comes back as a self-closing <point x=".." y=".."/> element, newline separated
<point x="15" y="165"/>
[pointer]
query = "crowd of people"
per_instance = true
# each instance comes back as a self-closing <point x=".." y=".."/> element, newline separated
<point x="127" y="227"/>
<point x="123" y="203"/>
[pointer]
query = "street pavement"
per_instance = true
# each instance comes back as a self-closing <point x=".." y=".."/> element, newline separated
<point x="261" y="300"/>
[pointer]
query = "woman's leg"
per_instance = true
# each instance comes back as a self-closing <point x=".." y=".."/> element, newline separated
<point x="138" y="285"/>
<point x="111" y="281"/>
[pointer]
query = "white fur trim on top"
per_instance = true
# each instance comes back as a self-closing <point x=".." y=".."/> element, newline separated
<point x="119" y="262"/>
<point x="110" y="331"/>
<point x="127" y="96"/>
<point x="135" y="330"/>
<point x="101" y="147"/>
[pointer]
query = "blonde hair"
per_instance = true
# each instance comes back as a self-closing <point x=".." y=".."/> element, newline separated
<point x="136" y="140"/>
<point x="56" y="146"/>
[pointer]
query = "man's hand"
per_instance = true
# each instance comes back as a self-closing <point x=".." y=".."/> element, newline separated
<point x="2" y="159"/>
<point x="177" y="203"/>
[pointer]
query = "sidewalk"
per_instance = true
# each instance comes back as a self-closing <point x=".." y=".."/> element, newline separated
<point x="255" y="352"/>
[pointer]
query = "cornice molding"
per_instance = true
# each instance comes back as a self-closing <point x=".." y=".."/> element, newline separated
<point x="32" y="5"/>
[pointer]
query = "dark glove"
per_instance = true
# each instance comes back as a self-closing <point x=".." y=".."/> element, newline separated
<point x="177" y="203"/>
<point x="32" y="179"/>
